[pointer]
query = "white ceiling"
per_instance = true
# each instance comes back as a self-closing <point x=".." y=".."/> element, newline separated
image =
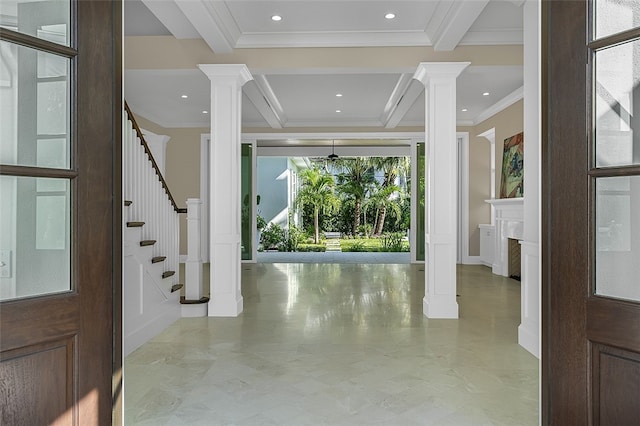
<point x="283" y="98"/>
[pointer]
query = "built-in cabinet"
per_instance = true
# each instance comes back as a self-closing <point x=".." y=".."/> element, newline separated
<point x="487" y="244"/>
<point x="509" y="225"/>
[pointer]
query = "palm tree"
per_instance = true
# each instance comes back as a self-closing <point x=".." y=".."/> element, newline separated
<point x="393" y="167"/>
<point x="382" y="200"/>
<point x="356" y="181"/>
<point x="317" y="190"/>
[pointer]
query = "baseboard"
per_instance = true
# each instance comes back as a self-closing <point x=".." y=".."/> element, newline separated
<point x="151" y="328"/>
<point x="472" y="260"/>
<point x="529" y="340"/>
<point x="440" y="310"/>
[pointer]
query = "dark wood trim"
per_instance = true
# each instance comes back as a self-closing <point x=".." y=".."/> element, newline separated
<point x="204" y="299"/>
<point x="32" y="171"/>
<point x="545" y="234"/>
<point x="153" y="160"/>
<point x="615" y="171"/>
<point x="98" y="105"/>
<point x="33" y="42"/>
<point x="565" y="237"/>
<point x="117" y="382"/>
<point x="19" y="317"/>
<point x="605" y="327"/>
<point x="615" y="39"/>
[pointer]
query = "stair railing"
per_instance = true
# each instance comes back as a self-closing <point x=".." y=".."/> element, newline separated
<point x="151" y="199"/>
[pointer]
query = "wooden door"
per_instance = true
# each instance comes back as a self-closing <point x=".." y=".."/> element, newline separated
<point x="591" y="212"/>
<point x="60" y="212"/>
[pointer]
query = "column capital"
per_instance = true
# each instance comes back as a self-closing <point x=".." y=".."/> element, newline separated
<point x="428" y="70"/>
<point x="239" y="72"/>
<point x="489" y="135"/>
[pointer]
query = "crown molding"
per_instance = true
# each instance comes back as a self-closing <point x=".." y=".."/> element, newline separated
<point x="333" y="39"/>
<point x="493" y="38"/>
<point x="501" y="105"/>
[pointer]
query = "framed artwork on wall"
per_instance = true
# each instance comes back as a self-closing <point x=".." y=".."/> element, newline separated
<point x="511" y="183"/>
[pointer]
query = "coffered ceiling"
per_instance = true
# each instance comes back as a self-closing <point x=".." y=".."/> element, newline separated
<point x="304" y="95"/>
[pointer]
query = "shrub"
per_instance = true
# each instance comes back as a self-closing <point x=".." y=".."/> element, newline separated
<point x="312" y="248"/>
<point x="357" y="246"/>
<point x="292" y="240"/>
<point x="272" y="236"/>
<point x="393" y="242"/>
<point x="365" y="229"/>
<point x="260" y="222"/>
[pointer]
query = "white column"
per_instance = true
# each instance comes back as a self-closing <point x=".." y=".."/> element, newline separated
<point x="224" y="188"/>
<point x="193" y="265"/>
<point x="529" y="329"/>
<point x="439" y="79"/>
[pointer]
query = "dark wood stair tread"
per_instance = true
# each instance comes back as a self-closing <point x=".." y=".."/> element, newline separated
<point x="176" y="287"/>
<point x="135" y="224"/>
<point x="168" y="274"/>
<point x="144" y="243"/>
<point x="184" y="301"/>
<point x="127" y="203"/>
<point x="158" y="259"/>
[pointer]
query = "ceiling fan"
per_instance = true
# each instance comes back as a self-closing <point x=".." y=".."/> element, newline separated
<point x="333" y="156"/>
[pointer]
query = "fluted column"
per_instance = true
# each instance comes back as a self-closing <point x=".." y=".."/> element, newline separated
<point x="224" y="186"/>
<point x="439" y="79"/>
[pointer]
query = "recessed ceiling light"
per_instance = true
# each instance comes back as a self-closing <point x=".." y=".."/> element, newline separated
<point x="464" y="110"/>
<point x="390" y="15"/>
<point x="339" y="95"/>
<point x="276" y="18"/>
<point x="184" y="96"/>
<point x="485" y="94"/>
<point x="205" y="112"/>
<point x="338" y="110"/>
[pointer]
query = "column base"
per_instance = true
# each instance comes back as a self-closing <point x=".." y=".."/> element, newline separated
<point x="528" y="339"/>
<point x="195" y="310"/>
<point x="193" y="280"/>
<point x="529" y="329"/>
<point x="225" y="306"/>
<point x="440" y="309"/>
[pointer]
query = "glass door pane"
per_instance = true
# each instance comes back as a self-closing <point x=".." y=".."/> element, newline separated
<point x="35" y="108"/>
<point x="617" y="237"/>
<point x="617" y="103"/>
<point x="614" y="16"/>
<point x="248" y="230"/>
<point x="35" y="236"/>
<point x="45" y="19"/>
<point x="420" y="208"/>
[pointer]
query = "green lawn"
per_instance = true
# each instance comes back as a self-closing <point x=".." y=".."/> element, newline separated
<point x="365" y="244"/>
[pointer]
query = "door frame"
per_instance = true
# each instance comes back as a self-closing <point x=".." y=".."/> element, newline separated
<point x="92" y="350"/>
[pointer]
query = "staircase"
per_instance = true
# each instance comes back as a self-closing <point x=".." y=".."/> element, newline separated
<point x="151" y="293"/>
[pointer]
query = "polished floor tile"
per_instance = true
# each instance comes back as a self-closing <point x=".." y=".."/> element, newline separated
<point x="341" y="344"/>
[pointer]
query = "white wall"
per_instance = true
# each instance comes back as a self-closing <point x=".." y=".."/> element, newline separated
<point x="272" y="174"/>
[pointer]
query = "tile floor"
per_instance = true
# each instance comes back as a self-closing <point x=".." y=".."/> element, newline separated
<point x="341" y="344"/>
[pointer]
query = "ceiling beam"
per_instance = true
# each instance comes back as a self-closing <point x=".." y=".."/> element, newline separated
<point x="172" y="17"/>
<point x="402" y="98"/>
<point x="451" y="22"/>
<point x="208" y="20"/>
<point x="264" y="99"/>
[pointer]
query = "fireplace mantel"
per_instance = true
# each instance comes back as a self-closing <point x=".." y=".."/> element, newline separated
<point x="509" y="222"/>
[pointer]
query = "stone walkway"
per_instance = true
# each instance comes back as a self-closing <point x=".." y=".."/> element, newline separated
<point x="334" y="257"/>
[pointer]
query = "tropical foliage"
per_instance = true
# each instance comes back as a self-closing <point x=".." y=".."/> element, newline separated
<point x="373" y="196"/>
<point x="317" y="191"/>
